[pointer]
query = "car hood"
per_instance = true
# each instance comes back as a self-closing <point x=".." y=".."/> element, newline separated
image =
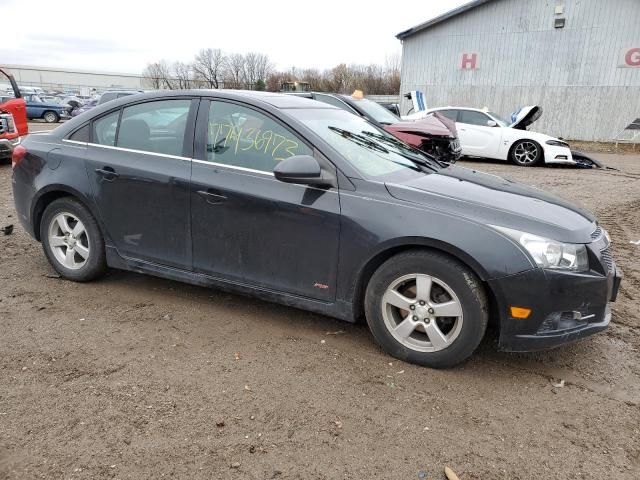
<point x="432" y="125"/>
<point x="493" y="200"/>
<point x="525" y="116"/>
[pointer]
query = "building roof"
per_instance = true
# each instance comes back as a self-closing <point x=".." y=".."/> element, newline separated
<point x="68" y="70"/>
<point x="441" y="18"/>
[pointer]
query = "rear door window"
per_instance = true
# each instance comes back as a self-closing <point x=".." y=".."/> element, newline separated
<point x="157" y="127"/>
<point x="472" y="117"/>
<point x="450" y="114"/>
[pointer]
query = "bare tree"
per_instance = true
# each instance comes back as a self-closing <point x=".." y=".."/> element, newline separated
<point x="393" y="65"/>
<point x="275" y="80"/>
<point x="313" y="77"/>
<point x="234" y="71"/>
<point x="156" y="75"/>
<point x="249" y="74"/>
<point x="263" y="67"/>
<point x="208" y="66"/>
<point x="337" y="79"/>
<point x="182" y="75"/>
<point x="213" y="69"/>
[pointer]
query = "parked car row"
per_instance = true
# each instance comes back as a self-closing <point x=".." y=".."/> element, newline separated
<point x="301" y="202"/>
<point x="54" y="108"/>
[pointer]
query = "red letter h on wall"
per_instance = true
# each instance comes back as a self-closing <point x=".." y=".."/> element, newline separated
<point x="469" y="61"/>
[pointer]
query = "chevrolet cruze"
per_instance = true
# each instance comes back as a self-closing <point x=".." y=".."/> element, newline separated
<point x="298" y="202"/>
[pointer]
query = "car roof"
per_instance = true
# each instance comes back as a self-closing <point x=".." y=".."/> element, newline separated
<point x="278" y="101"/>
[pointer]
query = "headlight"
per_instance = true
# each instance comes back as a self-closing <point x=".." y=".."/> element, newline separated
<point x="549" y="253"/>
<point x="557" y="143"/>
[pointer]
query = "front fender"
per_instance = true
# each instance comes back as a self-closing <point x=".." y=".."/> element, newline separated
<point x="398" y="225"/>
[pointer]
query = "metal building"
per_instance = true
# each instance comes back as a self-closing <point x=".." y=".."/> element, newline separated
<point x="71" y="79"/>
<point x="578" y="59"/>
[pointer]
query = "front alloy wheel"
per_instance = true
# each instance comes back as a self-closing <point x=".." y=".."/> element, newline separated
<point x="422" y="312"/>
<point x="426" y="307"/>
<point x="526" y="153"/>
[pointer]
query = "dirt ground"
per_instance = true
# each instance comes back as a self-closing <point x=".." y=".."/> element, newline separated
<point x="134" y="377"/>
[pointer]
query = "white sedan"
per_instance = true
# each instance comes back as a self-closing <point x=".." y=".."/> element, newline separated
<point x="485" y="134"/>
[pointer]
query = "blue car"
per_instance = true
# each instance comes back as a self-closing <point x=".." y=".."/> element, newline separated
<point x="50" y="112"/>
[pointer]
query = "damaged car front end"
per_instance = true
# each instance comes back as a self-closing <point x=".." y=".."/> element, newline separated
<point x="434" y="134"/>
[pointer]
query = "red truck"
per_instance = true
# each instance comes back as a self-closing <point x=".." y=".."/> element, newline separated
<point x="13" y="119"/>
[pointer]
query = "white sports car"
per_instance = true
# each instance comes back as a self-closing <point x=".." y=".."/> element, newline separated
<point x="485" y="134"/>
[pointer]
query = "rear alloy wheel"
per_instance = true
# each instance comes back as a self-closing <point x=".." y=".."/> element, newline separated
<point x="72" y="240"/>
<point x="526" y="153"/>
<point x="51" y="117"/>
<point x="426" y="308"/>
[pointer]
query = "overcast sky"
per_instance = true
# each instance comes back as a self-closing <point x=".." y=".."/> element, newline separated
<point x="124" y="35"/>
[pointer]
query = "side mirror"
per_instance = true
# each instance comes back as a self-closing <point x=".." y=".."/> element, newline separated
<point x="492" y="123"/>
<point x="305" y="170"/>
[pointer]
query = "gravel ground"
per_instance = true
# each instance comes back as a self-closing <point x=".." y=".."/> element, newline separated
<point x="134" y="377"/>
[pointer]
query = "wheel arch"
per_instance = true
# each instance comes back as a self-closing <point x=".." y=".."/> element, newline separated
<point x="50" y="194"/>
<point x="413" y="243"/>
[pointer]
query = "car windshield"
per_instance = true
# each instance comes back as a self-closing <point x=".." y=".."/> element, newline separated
<point x="35" y="99"/>
<point x="376" y="111"/>
<point x="371" y="151"/>
<point x="501" y="121"/>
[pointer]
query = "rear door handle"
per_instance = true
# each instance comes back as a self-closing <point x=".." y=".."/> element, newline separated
<point x="107" y="173"/>
<point x="211" y="197"/>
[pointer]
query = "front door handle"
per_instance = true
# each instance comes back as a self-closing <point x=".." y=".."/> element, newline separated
<point x="107" y="173"/>
<point x="211" y="197"/>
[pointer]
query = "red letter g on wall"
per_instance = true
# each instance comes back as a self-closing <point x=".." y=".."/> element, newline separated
<point x="632" y="57"/>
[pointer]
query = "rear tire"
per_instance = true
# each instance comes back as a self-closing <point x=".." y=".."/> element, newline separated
<point x="72" y="241"/>
<point x="526" y="153"/>
<point x="445" y="310"/>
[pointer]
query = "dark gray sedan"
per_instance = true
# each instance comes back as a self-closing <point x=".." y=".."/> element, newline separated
<point x="301" y="203"/>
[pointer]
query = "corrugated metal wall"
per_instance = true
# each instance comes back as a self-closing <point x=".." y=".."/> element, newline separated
<point x="63" y="78"/>
<point x="574" y="72"/>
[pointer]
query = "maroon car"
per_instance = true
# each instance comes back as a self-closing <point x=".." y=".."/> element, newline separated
<point x="435" y="134"/>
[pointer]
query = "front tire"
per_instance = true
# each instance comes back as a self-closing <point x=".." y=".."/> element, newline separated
<point x="51" y="117"/>
<point x="526" y="153"/>
<point x="72" y="240"/>
<point x="426" y="308"/>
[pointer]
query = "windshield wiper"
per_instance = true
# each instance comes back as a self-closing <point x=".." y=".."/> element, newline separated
<point x="359" y="139"/>
<point x="373" y="145"/>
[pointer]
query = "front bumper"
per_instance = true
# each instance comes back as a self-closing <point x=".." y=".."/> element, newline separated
<point x="558" y="155"/>
<point x="565" y="306"/>
<point x="7" y="146"/>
